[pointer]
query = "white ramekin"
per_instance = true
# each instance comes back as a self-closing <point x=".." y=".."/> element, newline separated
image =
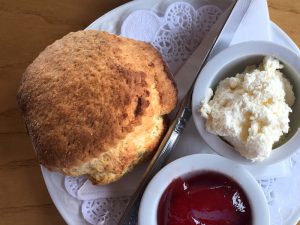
<point x="197" y="163"/>
<point x="232" y="61"/>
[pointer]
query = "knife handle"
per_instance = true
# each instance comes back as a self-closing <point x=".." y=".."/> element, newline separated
<point x="130" y="216"/>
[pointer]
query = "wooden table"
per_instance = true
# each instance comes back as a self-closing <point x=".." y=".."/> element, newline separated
<point x="26" y="28"/>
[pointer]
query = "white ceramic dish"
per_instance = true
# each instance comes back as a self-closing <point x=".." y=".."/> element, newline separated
<point x="228" y="63"/>
<point x="197" y="163"/>
<point x="70" y="207"/>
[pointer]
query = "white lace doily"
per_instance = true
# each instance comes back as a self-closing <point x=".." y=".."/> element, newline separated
<point x="175" y="35"/>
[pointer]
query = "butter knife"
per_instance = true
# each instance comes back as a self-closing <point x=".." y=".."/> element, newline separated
<point x="216" y="40"/>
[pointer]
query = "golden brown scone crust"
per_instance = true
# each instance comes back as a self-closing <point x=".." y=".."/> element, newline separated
<point x="88" y="95"/>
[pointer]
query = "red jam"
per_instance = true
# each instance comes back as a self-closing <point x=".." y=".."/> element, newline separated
<point x="208" y="198"/>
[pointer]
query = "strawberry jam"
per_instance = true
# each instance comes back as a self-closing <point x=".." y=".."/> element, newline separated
<point x="207" y="198"/>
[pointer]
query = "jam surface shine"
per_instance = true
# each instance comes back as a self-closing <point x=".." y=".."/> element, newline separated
<point x="207" y="198"/>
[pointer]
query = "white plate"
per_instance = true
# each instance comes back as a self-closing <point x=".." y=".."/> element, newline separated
<point x="69" y="207"/>
<point x="280" y="37"/>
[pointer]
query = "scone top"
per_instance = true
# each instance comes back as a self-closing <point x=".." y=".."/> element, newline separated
<point x="86" y="92"/>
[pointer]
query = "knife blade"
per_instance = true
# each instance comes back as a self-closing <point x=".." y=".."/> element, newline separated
<point x="217" y="39"/>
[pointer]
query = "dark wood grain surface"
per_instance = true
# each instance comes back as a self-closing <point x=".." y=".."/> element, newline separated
<point x="26" y="28"/>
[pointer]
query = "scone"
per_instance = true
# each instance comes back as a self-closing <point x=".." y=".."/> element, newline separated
<point x="94" y="104"/>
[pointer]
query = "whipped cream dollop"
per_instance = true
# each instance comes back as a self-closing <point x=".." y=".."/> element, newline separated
<point x="251" y="110"/>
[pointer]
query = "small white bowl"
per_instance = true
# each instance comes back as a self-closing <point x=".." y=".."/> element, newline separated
<point x="197" y="163"/>
<point x="232" y="61"/>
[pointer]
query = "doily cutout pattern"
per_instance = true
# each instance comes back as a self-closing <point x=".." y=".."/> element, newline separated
<point x="176" y="35"/>
<point x="104" y="211"/>
<point x="267" y="186"/>
<point x="73" y="184"/>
